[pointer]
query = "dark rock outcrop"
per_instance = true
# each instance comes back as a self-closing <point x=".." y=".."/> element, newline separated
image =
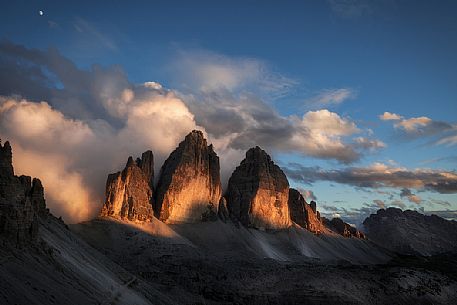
<point x="258" y="192"/>
<point x="304" y="214"/>
<point x="21" y="203"/>
<point x="410" y="232"/>
<point x="189" y="187"/>
<point x="129" y="193"/>
<point x="337" y="225"/>
<point x="297" y="208"/>
<point x="222" y="210"/>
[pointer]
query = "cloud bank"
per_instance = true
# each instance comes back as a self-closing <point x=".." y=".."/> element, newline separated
<point x="445" y="133"/>
<point x="72" y="126"/>
<point x="379" y="176"/>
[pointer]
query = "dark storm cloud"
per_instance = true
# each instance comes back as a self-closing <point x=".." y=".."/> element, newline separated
<point x="47" y="75"/>
<point x="377" y="176"/>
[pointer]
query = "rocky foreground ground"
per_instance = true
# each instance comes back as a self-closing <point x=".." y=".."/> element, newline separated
<point x="64" y="269"/>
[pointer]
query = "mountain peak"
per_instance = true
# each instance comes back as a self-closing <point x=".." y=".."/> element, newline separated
<point x="189" y="184"/>
<point x="129" y="193"/>
<point x="258" y="192"/>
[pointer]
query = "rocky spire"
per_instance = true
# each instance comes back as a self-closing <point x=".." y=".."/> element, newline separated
<point x="146" y="163"/>
<point x="21" y="203"/>
<point x="258" y="192"/>
<point x="129" y="193"/>
<point x="189" y="187"/>
<point x="6" y="160"/>
<point x="297" y="208"/>
<point x="304" y="214"/>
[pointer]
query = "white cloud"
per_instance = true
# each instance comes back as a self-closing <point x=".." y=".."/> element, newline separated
<point x="332" y="97"/>
<point x="387" y="116"/>
<point x="208" y="71"/>
<point x="449" y="140"/>
<point x="413" y="124"/>
<point x="73" y="157"/>
<point x="420" y="127"/>
<point x="369" y="144"/>
<point x="328" y="124"/>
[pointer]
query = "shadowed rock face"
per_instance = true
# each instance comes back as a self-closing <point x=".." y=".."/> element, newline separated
<point x="258" y="192"/>
<point x="297" y="208"/>
<point x="304" y="214"/>
<point x="189" y="187"/>
<point x="337" y="225"/>
<point x="21" y="202"/>
<point x="222" y="211"/>
<point x="129" y="193"/>
<point x="410" y="232"/>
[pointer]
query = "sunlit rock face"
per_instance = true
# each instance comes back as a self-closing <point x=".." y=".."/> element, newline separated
<point x="337" y="225"/>
<point x="129" y="193"/>
<point x="258" y="192"/>
<point x="313" y="219"/>
<point x="189" y="187"/>
<point x="304" y="214"/>
<point x="410" y="232"/>
<point x="21" y="203"/>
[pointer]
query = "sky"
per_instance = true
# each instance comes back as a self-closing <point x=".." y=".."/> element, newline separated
<point x="355" y="100"/>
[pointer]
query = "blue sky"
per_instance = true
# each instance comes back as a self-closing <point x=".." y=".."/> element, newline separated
<point x="355" y="59"/>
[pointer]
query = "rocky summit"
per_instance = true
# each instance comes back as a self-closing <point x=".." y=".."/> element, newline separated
<point x="21" y="203"/>
<point x="337" y="225"/>
<point x="129" y="192"/>
<point x="189" y="187"/>
<point x="258" y="192"/>
<point x="410" y="232"/>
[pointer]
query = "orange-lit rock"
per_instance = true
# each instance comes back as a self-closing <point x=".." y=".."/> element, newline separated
<point x="314" y="223"/>
<point x="129" y="193"/>
<point x="189" y="187"/>
<point x="258" y="192"/>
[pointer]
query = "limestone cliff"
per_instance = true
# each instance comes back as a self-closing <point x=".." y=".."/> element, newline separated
<point x="258" y="192"/>
<point x="21" y="203"/>
<point x="189" y="186"/>
<point x="297" y="208"/>
<point x="129" y="193"/>
<point x="304" y="214"/>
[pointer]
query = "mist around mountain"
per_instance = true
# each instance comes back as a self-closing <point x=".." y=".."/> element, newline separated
<point x="185" y="241"/>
